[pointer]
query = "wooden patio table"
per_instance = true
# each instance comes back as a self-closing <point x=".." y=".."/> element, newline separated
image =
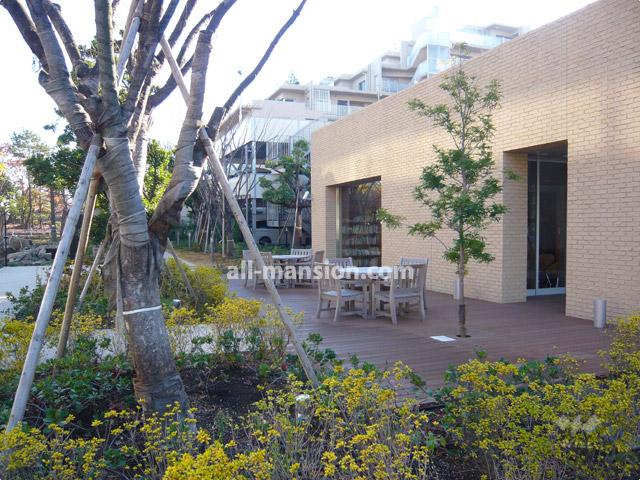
<point x="370" y="277"/>
<point x="288" y="259"/>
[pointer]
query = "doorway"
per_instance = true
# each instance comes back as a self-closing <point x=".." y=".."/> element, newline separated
<point x="547" y="223"/>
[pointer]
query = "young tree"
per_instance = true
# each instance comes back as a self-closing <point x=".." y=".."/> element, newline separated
<point x="84" y="84"/>
<point x="459" y="187"/>
<point x="41" y="169"/>
<point x="158" y="175"/>
<point x="292" y="181"/>
<point x="23" y="145"/>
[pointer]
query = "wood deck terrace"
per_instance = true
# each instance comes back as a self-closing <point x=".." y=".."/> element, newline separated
<point x="532" y="330"/>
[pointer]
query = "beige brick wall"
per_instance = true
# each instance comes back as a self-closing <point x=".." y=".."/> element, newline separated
<point x="575" y="80"/>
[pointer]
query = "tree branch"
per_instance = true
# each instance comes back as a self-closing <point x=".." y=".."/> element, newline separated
<point x="163" y="92"/>
<point x="206" y="18"/>
<point x="56" y="79"/>
<point x="179" y="27"/>
<point x="219" y="113"/>
<point x="53" y="11"/>
<point x="214" y="17"/>
<point x="182" y="22"/>
<point x="56" y="64"/>
<point x="110" y="121"/>
<point x="150" y="34"/>
<point x="27" y="29"/>
<point x="186" y="172"/>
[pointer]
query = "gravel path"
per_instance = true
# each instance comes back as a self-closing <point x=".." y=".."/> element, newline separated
<point x="12" y="279"/>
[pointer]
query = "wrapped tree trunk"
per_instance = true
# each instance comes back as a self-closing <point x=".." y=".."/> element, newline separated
<point x="93" y="104"/>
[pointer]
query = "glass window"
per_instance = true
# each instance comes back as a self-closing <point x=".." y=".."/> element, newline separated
<point x="343" y="107"/>
<point x="360" y="233"/>
<point x="321" y="100"/>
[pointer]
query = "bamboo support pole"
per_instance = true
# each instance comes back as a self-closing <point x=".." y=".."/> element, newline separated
<point x="130" y="32"/>
<point x="181" y="270"/>
<point x="53" y="283"/>
<point x="216" y="166"/>
<point x="90" y="205"/>
<point x="92" y="272"/>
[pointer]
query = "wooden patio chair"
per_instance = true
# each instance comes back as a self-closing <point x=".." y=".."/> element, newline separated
<point x="406" y="286"/>
<point x="248" y="264"/>
<point x="303" y="252"/>
<point x="341" y="262"/>
<point x="258" y="274"/>
<point x="308" y="267"/>
<point x="336" y="291"/>
<point x="417" y="261"/>
<point x="302" y="264"/>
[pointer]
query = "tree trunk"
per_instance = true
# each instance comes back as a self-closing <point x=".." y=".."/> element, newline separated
<point x="52" y="201"/>
<point x="136" y="256"/>
<point x="30" y="204"/>
<point x="462" y="308"/>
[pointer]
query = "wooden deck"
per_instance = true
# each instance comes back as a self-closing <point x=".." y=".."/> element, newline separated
<point x="533" y="330"/>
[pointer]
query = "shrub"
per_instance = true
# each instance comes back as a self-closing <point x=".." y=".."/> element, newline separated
<point x="215" y="464"/>
<point x="623" y="355"/>
<point x="15" y="336"/>
<point x="533" y="421"/>
<point x="25" y="305"/>
<point x="123" y="444"/>
<point x="84" y="383"/>
<point x="232" y="326"/>
<point x="354" y="426"/>
<point x="208" y="283"/>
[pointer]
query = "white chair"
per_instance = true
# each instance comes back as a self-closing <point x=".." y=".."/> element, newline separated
<point x="406" y="285"/>
<point x="333" y="290"/>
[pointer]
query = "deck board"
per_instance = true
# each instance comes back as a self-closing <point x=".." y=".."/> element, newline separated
<point x="532" y="330"/>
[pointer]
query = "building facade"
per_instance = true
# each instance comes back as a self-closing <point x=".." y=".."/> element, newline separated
<point x="435" y="46"/>
<point x="568" y="125"/>
<point x="265" y="130"/>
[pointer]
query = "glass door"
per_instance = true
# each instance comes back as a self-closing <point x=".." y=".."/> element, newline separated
<point x="547" y="225"/>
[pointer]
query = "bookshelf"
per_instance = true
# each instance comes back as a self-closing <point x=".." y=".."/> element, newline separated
<point x="360" y="233"/>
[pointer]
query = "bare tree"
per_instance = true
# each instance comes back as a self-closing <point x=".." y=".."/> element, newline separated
<point x="91" y="100"/>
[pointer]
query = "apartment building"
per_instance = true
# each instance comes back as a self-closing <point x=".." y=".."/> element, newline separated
<point x="568" y="125"/>
<point x="267" y="129"/>
<point x="434" y="45"/>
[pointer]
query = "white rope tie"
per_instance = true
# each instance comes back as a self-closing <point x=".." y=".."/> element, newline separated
<point x="141" y="310"/>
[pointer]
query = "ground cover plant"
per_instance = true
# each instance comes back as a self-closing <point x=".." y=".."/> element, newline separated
<point x="254" y="416"/>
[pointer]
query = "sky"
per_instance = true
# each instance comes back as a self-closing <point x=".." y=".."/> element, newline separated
<point x="331" y="37"/>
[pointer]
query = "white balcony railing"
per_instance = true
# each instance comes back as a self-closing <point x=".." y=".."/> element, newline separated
<point x="392" y="85"/>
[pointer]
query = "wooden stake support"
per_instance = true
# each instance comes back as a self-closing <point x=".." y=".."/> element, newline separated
<point x="92" y="272"/>
<point x="87" y="217"/>
<point x="53" y="283"/>
<point x="216" y="167"/>
<point x="185" y="279"/>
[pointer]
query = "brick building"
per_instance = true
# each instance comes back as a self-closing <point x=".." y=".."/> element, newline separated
<point x="569" y="125"/>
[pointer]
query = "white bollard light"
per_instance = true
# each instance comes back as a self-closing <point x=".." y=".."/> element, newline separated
<point x="599" y="313"/>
